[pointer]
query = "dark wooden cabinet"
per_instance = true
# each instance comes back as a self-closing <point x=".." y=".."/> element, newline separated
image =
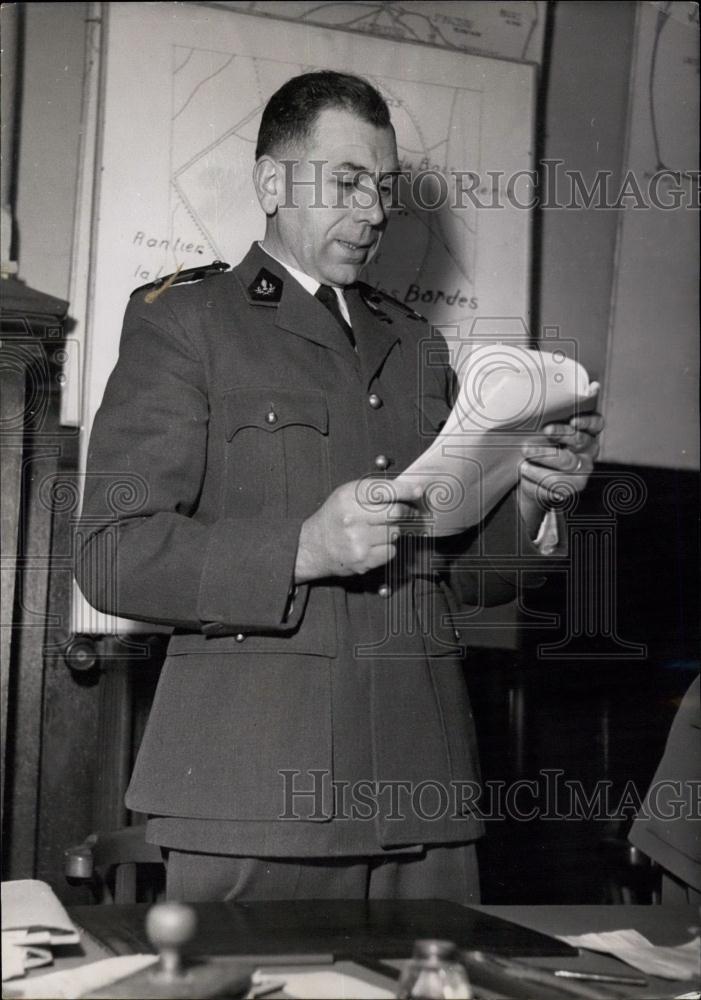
<point x="49" y="717"/>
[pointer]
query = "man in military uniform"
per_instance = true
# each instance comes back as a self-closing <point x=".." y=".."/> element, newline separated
<point x="311" y="735"/>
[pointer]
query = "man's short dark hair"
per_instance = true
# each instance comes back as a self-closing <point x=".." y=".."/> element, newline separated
<point x="291" y="113"/>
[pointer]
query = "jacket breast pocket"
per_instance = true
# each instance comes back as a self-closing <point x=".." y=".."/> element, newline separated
<point x="276" y="450"/>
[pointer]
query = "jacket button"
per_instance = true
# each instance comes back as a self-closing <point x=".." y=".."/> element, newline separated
<point x="384" y="590"/>
<point x="374" y="401"/>
<point x="271" y="417"/>
<point x="240" y="637"/>
<point x="382" y="462"/>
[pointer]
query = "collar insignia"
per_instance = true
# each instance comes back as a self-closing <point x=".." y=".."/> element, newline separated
<point x="265" y="287"/>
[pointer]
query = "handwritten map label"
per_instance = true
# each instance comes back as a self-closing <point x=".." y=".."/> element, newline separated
<point x="434" y="295"/>
<point x="155" y="242"/>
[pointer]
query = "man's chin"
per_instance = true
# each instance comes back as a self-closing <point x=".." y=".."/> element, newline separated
<point x="344" y="274"/>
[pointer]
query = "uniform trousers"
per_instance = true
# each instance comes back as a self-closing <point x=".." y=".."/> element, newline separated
<point x="447" y="872"/>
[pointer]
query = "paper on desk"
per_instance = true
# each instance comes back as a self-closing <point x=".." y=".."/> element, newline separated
<point x="18" y="957"/>
<point x="70" y="984"/>
<point x="507" y="394"/>
<point x="33" y="922"/>
<point x="30" y="906"/>
<point x="323" y="984"/>
<point x="666" y="961"/>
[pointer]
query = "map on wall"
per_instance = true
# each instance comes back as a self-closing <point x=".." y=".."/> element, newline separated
<point x="428" y="255"/>
<point x="509" y="31"/>
<point x="181" y="115"/>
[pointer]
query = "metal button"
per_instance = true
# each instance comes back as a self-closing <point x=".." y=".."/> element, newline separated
<point x="374" y="401"/>
<point x="384" y="590"/>
<point x="456" y="633"/>
<point x="271" y="417"/>
<point x="240" y="637"/>
<point x="382" y="462"/>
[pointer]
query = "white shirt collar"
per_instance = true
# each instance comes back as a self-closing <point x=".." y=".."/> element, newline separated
<point x="310" y="284"/>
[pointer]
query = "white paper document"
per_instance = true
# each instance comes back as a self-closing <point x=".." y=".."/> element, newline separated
<point x="507" y="394"/>
<point x="83" y="980"/>
<point x="666" y="961"/>
<point x="31" y="906"/>
<point x="321" y="985"/>
<point x="33" y="922"/>
<point x="18" y="957"/>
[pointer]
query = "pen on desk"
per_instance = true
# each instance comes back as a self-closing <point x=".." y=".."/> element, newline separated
<point x="513" y="978"/>
<point x="601" y="977"/>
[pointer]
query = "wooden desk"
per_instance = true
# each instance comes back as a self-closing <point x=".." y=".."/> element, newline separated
<point x="661" y="925"/>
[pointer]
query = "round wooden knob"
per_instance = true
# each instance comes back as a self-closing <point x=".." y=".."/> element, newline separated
<point x="169" y="927"/>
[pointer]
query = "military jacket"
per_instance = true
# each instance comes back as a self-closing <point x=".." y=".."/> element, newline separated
<point x="236" y="407"/>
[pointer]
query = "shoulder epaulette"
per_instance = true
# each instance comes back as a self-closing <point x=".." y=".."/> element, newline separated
<point x="375" y="299"/>
<point x="180" y="277"/>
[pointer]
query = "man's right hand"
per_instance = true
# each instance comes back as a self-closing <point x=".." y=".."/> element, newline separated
<point x="355" y="529"/>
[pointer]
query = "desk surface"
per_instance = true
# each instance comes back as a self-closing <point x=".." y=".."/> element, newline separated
<point x="378" y="929"/>
<point x="662" y="925"/>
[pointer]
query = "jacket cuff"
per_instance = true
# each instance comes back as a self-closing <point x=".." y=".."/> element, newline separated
<point x="263" y="554"/>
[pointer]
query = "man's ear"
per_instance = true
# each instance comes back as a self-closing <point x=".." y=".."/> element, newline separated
<point x="269" y="183"/>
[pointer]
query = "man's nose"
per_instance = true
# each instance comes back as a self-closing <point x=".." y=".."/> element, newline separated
<point x="368" y="206"/>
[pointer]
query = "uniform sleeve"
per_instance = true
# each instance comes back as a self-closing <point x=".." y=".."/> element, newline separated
<point x="142" y="552"/>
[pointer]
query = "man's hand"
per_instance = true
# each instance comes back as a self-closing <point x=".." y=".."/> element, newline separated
<point x="352" y="532"/>
<point x="563" y="462"/>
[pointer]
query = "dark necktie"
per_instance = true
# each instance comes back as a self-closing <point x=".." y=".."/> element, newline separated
<point x="328" y="297"/>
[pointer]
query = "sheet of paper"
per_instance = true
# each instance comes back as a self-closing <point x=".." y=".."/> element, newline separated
<point x="31" y="906"/>
<point x="70" y="984"/>
<point x="18" y="956"/>
<point x="668" y="962"/>
<point x="507" y="394"/>
<point x="323" y="984"/>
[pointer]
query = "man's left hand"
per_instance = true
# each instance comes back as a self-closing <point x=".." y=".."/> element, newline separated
<point x="561" y="463"/>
